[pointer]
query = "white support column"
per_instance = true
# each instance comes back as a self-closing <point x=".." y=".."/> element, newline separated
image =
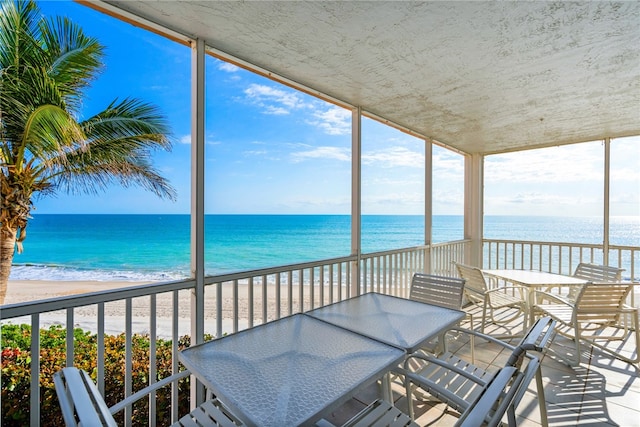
<point x="474" y="207"/>
<point x="197" y="202"/>
<point x="606" y="201"/>
<point x="356" y="197"/>
<point x="428" y="201"/>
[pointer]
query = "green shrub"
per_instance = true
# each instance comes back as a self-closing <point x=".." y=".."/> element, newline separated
<point x="15" y="378"/>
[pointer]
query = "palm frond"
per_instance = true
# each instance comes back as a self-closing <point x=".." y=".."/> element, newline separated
<point x="75" y="59"/>
<point x="49" y="133"/>
<point x="129" y="117"/>
<point x="19" y="32"/>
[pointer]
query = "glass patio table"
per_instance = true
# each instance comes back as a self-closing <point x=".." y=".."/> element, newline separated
<point x="290" y="371"/>
<point x="532" y="280"/>
<point x="400" y="322"/>
<point x="393" y="320"/>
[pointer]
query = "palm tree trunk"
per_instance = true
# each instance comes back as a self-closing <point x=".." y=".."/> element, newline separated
<point x="7" y="247"/>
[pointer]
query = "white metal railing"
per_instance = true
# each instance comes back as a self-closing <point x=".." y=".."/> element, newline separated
<point x="242" y="300"/>
<point x="559" y="257"/>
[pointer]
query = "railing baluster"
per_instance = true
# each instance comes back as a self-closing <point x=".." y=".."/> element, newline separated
<point x="35" y="370"/>
<point x="290" y="290"/>
<point x="128" y="360"/>
<point x="219" y="290"/>
<point x="265" y="299"/>
<point x="100" y="355"/>
<point x="278" y="296"/>
<point x="250" y="302"/>
<point x="312" y="293"/>
<point x="175" y="367"/>
<point x="321" y="279"/>
<point x="300" y="291"/>
<point x="70" y="340"/>
<point x="235" y="305"/>
<point x="152" y="358"/>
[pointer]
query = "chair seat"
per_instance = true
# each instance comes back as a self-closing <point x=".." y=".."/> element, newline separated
<point x="444" y="377"/>
<point x="381" y="414"/>
<point x="211" y="413"/>
<point x="562" y="313"/>
<point x="503" y="299"/>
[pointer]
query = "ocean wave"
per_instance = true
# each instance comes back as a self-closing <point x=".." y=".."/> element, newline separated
<point x="62" y="273"/>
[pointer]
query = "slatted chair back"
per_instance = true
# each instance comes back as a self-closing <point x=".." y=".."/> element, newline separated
<point x="594" y="273"/>
<point x="598" y="273"/>
<point x="80" y="401"/>
<point x="601" y="303"/>
<point x="83" y="405"/>
<point x="475" y="283"/>
<point x="437" y="290"/>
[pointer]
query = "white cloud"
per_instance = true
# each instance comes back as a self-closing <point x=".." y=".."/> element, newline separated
<point x="333" y="121"/>
<point x="230" y="68"/>
<point x="334" y="153"/>
<point x="276" y="111"/>
<point x="255" y="153"/>
<point x="186" y="139"/>
<point x="272" y="100"/>
<point x="578" y="163"/>
<point x="394" y="157"/>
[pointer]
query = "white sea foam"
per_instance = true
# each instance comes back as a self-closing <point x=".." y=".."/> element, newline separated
<point x="58" y="273"/>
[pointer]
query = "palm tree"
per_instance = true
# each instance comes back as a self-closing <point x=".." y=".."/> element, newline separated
<point x="45" y="64"/>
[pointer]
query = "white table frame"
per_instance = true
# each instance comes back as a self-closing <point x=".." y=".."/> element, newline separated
<point x="289" y="371"/>
<point x="532" y="280"/>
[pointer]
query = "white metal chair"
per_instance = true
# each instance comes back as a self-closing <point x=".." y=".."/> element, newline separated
<point x="491" y="297"/>
<point x="594" y="273"/>
<point x="438" y="290"/>
<point x="458" y="383"/>
<point x="83" y="405"/>
<point x="486" y="410"/>
<point x="595" y="313"/>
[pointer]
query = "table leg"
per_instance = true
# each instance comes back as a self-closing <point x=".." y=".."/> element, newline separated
<point x="387" y="394"/>
<point x="530" y="303"/>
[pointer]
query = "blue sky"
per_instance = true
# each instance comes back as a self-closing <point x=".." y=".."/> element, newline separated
<point x="271" y="149"/>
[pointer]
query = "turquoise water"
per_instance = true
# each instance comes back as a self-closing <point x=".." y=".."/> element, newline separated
<point x="156" y="247"/>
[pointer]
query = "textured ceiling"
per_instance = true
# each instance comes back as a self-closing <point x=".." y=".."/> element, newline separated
<point x="482" y="77"/>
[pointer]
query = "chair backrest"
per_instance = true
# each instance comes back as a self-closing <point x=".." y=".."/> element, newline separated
<point x="80" y="401"/>
<point x="598" y="273"/>
<point x="601" y="302"/>
<point x="474" y="280"/>
<point x="494" y="400"/>
<point x="437" y="290"/>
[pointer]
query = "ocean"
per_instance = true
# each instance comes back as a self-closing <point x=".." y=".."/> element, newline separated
<point x="156" y="247"/>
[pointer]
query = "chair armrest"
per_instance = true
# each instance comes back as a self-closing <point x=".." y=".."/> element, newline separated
<point x="419" y="379"/>
<point x="481" y="335"/>
<point x="518" y="288"/>
<point x="554" y="297"/>
<point x="146" y="391"/>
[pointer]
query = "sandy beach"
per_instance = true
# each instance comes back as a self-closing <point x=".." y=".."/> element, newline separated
<point x="85" y="317"/>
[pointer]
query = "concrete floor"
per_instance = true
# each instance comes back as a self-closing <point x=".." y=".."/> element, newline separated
<point x="601" y="391"/>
